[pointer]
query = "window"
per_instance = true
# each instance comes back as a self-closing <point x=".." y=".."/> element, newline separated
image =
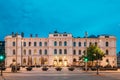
<point x="29" y="43"/>
<point x="24" y="44"/>
<point x="79" y="52"/>
<point x="35" y="44"/>
<point x="74" y="52"/>
<point x="74" y="44"/>
<point x="40" y="43"/>
<point x="24" y="52"/>
<point x="95" y="43"/>
<point x="55" y="43"/>
<point x="13" y="51"/>
<point x="29" y="52"/>
<point x="35" y="51"/>
<point x="40" y="52"/>
<point x="65" y="43"/>
<point x="45" y="44"/>
<point x="79" y="44"/>
<point x="107" y="44"/>
<point x="60" y="51"/>
<point x="55" y="51"/>
<point x="13" y="43"/>
<point x="85" y="44"/>
<point x="90" y="43"/>
<point x="45" y="52"/>
<point x="60" y="43"/>
<point x="107" y="52"/>
<point x="65" y="51"/>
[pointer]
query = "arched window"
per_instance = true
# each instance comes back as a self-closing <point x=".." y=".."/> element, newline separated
<point x="40" y="52"/>
<point x="79" y="52"/>
<point x="24" y="52"/>
<point x="74" y="44"/>
<point x="79" y="44"/>
<point x="13" y="43"/>
<point x="65" y="51"/>
<point x="45" y="44"/>
<point x="107" y="52"/>
<point x="29" y="52"/>
<point x="35" y="43"/>
<point x="45" y="52"/>
<point x="74" y="52"/>
<point x="24" y="44"/>
<point x="29" y="43"/>
<point x="55" y="43"/>
<point x="13" y="51"/>
<point x="40" y="43"/>
<point x="60" y="51"/>
<point x="65" y="43"/>
<point x="84" y="43"/>
<point x="60" y="43"/>
<point x="107" y="44"/>
<point x="55" y="51"/>
<point x="90" y="43"/>
<point x="96" y="44"/>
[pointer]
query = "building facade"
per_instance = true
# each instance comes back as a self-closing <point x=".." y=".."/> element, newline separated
<point x="59" y="49"/>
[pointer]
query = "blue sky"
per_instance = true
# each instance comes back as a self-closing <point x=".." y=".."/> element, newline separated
<point x="73" y="16"/>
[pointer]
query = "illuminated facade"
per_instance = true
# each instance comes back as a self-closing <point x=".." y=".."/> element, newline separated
<point x="59" y="49"/>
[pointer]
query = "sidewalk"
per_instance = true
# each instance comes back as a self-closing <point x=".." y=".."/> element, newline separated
<point x="2" y="78"/>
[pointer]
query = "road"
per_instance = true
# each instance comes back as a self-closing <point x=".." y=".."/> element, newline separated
<point x="52" y="74"/>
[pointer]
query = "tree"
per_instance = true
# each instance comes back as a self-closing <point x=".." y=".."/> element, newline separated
<point x="94" y="53"/>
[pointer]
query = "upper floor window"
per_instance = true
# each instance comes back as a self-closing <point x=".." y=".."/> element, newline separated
<point x="35" y="43"/>
<point x="13" y="51"/>
<point x="90" y="43"/>
<point x="24" y="52"/>
<point x="29" y="43"/>
<point x="45" y="43"/>
<point x="74" y="52"/>
<point x="13" y="43"/>
<point x="85" y="44"/>
<point x="79" y="44"/>
<point x="74" y="44"/>
<point x="60" y="43"/>
<point x="65" y="51"/>
<point x="107" y="44"/>
<point x="35" y="51"/>
<point x="79" y="52"/>
<point x="40" y="43"/>
<point x="24" y="44"/>
<point x="60" y="51"/>
<point x="40" y="52"/>
<point x="55" y="43"/>
<point x="96" y="44"/>
<point x="55" y="51"/>
<point x="107" y="52"/>
<point x="45" y="52"/>
<point x="29" y="52"/>
<point x="65" y="43"/>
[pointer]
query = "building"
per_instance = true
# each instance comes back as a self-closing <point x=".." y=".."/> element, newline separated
<point x="118" y="59"/>
<point x="59" y="49"/>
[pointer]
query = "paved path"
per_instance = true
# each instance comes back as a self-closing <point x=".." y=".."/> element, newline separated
<point x="52" y="74"/>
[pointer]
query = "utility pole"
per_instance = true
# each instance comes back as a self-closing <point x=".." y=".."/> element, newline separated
<point x="86" y="34"/>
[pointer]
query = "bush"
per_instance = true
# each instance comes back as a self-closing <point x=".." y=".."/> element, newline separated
<point x="71" y="68"/>
<point x="58" y="68"/>
<point x="44" y="68"/>
<point x="29" y="68"/>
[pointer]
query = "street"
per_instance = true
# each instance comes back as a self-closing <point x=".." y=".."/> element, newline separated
<point x="52" y="74"/>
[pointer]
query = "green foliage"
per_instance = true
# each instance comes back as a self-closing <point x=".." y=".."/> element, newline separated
<point x="94" y="53"/>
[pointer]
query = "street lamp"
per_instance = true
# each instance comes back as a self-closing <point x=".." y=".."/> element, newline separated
<point x="16" y="51"/>
<point x="86" y="50"/>
<point x="21" y="52"/>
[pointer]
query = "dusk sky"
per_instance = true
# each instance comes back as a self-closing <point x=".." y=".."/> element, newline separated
<point x="72" y="16"/>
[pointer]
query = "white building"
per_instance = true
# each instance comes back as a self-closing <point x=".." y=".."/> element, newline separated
<point x="58" y="49"/>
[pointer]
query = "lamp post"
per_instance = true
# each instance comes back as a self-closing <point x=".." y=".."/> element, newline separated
<point x="21" y="52"/>
<point x="86" y="50"/>
<point x="16" y="51"/>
